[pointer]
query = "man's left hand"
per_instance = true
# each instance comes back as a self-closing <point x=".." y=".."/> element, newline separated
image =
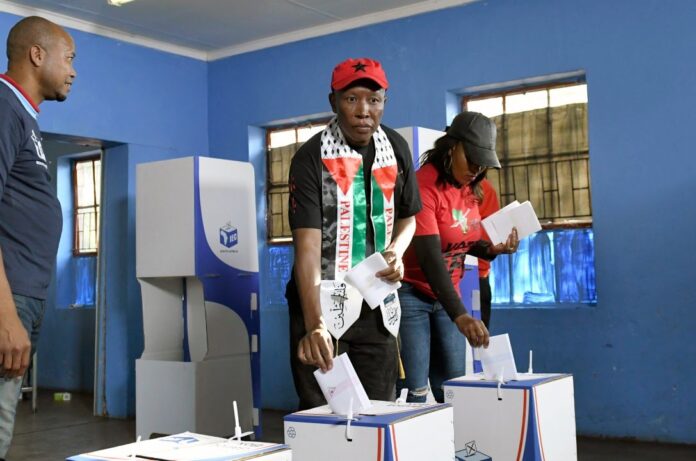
<point x="395" y="271"/>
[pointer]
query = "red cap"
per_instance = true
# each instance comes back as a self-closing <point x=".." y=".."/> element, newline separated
<point x="351" y="70"/>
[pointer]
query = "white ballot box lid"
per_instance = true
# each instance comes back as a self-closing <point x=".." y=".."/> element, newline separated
<point x="524" y="381"/>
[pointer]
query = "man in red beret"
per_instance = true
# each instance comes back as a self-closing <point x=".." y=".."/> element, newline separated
<point x="352" y="193"/>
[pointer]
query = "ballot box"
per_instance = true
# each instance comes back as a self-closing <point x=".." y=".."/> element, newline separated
<point x="188" y="446"/>
<point x="530" y="419"/>
<point x="387" y="431"/>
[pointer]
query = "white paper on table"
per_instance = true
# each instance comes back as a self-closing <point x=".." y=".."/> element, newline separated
<point x="520" y="215"/>
<point x="186" y="446"/>
<point x="387" y="408"/>
<point x="372" y="288"/>
<point x="341" y="385"/>
<point x="497" y="360"/>
<point x="323" y="410"/>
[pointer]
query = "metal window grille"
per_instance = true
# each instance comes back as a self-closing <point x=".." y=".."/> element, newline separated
<point x="545" y="157"/>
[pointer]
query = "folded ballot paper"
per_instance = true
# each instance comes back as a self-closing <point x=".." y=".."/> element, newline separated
<point x="520" y="215"/>
<point x="497" y="360"/>
<point x="188" y="446"/>
<point x="342" y="388"/>
<point x="362" y="277"/>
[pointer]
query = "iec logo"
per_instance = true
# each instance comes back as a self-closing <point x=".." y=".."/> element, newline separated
<point x="228" y="235"/>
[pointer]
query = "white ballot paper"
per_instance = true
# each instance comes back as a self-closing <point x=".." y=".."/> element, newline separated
<point x="497" y="360"/>
<point x="372" y="288"/>
<point x="520" y="215"/>
<point x="341" y="387"/>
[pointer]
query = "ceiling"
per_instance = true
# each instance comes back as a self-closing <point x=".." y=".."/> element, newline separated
<point x="212" y="29"/>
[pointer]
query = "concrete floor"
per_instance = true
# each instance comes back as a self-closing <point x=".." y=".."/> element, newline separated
<point x="61" y="429"/>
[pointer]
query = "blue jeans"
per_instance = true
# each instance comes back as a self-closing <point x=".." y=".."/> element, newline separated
<point x="30" y="311"/>
<point x="431" y="345"/>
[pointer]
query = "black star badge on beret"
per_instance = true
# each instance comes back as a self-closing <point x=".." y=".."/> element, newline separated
<point x="359" y="67"/>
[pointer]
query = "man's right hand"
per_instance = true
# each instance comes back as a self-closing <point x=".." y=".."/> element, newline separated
<point x="316" y="348"/>
<point x="15" y="347"/>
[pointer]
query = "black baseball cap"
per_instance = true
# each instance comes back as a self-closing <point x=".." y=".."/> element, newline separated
<point x="478" y="133"/>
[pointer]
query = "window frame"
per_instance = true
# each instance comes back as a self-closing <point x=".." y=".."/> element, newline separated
<point x="76" y="251"/>
<point x="270" y="186"/>
<point x="559" y="224"/>
<point x="507" y="90"/>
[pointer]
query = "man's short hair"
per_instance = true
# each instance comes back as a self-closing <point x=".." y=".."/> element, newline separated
<point x="32" y="30"/>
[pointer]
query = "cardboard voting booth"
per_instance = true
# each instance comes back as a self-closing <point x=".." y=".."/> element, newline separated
<point x="530" y="419"/>
<point x="420" y="140"/>
<point x="404" y="432"/>
<point x="188" y="446"/>
<point x="197" y="264"/>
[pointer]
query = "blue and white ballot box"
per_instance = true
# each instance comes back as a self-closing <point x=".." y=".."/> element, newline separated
<point x="188" y="446"/>
<point x="532" y="419"/>
<point x="197" y="264"/>
<point x="391" y="432"/>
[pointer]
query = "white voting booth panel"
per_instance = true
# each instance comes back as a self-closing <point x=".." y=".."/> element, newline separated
<point x="420" y="140"/>
<point x="197" y="264"/>
<point x="414" y="433"/>
<point x="534" y="419"/>
<point x="188" y="446"/>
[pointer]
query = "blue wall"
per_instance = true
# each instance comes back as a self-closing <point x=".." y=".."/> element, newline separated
<point x="155" y="105"/>
<point x="632" y="355"/>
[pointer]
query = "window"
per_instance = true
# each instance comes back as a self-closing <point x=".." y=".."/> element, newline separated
<point x="282" y="145"/>
<point x="86" y="174"/>
<point x="543" y="148"/>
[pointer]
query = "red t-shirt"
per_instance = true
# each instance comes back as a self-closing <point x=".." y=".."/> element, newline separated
<point x="450" y="212"/>
<point x="487" y="207"/>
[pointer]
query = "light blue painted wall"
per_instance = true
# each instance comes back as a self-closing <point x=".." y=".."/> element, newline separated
<point x="632" y="355"/>
<point x="155" y="105"/>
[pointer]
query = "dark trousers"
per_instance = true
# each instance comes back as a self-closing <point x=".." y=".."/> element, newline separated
<point x="486" y="296"/>
<point x="371" y="348"/>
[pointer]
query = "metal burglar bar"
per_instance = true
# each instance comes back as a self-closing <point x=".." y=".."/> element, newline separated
<point x="559" y="189"/>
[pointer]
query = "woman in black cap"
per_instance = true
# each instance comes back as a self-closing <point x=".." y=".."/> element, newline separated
<point x="434" y="321"/>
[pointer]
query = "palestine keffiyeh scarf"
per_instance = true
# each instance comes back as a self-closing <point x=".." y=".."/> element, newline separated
<point x="345" y="221"/>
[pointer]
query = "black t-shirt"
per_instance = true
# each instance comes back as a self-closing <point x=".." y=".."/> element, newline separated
<point x="30" y="215"/>
<point x="305" y="207"/>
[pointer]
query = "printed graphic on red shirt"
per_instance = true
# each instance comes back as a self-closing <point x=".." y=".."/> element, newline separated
<point x="459" y="217"/>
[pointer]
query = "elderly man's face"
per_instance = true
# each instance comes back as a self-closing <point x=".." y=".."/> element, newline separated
<point x="359" y="110"/>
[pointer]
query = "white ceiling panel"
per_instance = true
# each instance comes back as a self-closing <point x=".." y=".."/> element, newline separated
<point x="210" y="29"/>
